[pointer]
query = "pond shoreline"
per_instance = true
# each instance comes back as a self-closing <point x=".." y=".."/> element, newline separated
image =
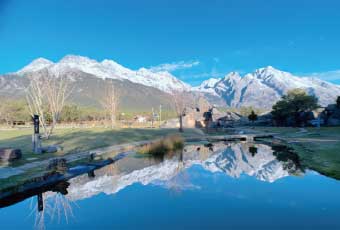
<point x="297" y="140"/>
<point x="116" y="149"/>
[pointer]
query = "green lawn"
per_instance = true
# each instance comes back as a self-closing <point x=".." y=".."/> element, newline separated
<point x="76" y="140"/>
<point x="318" y="149"/>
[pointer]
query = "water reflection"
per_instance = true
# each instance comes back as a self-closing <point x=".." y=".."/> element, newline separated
<point x="56" y="206"/>
<point x="233" y="159"/>
<point x="263" y="162"/>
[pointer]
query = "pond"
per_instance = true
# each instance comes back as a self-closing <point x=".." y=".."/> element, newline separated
<point x="219" y="186"/>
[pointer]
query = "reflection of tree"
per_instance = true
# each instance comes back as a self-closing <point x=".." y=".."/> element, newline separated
<point x="55" y="205"/>
<point x="253" y="150"/>
<point x="291" y="160"/>
<point x="181" y="177"/>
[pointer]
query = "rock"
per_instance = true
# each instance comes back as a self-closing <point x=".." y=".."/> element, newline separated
<point x="58" y="165"/>
<point x="8" y="154"/>
<point x="50" y="149"/>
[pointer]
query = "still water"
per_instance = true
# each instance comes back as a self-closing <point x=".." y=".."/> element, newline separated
<point x="224" y="186"/>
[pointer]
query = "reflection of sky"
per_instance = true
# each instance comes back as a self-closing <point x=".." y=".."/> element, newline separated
<point x="218" y="201"/>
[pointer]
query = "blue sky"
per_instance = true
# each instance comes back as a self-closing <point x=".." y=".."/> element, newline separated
<point x="193" y="39"/>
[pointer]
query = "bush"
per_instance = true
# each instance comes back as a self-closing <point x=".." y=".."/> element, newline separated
<point x="292" y="106"/>
<point x="161" y="147"/>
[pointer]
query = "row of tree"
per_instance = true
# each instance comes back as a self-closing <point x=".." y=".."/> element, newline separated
<point x="48" y="93"/>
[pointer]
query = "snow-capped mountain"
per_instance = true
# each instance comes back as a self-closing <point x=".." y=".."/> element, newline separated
<point x="260" y="89"/>
<point x="108" y="69"/>
<point x="233" y="160"/>
<point x="35" y="65"/>
<point x="208" y="85"/>
<point x="264" y="87"/>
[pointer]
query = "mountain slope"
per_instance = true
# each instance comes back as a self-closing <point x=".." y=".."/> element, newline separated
<point x="88" y="91"/>
<point x="139" y="90"/>
<point x="145" y="88"/>
<point x="264" y="87"/>
<point x="163" y="81"/>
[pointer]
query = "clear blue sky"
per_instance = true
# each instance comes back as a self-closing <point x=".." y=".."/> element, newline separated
<point x="302" y="37"/>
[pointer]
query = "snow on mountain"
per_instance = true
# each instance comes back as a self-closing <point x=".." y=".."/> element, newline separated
<point x="109" y="69"/>
<point x="233" y="160"/>
<point x="260" y="89"/>
<point x="208" y="85"/>
<point x="265" y="86"/>
<point x="36" y="65"/>
<point x="236" y="160"/>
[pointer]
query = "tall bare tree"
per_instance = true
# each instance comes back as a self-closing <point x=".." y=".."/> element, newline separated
<point x="182" y="100"/>
<point x="46" y="94"/>
<point x="110" y="101"/>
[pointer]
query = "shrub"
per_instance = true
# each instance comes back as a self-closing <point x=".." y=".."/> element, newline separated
<point x="165" y="145"/>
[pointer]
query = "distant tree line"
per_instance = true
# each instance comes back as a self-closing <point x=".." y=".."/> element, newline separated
<point x="13" y="110"/>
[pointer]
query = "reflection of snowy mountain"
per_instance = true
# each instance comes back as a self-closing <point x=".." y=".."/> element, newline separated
<point x="110" y="184"/>
<point x="234" y="160"/>
<point x="237" y="160"/>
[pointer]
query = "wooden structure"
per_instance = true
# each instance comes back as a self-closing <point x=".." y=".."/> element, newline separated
<point x="36" y="142"/>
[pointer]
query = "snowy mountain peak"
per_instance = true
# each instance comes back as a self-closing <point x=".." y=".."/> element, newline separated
<point x="210" y="82"/>
<point x="269" y="71"/>
<point x="75" y="59"/>
<point x="163" y="81"/>
<point x="235" y="76"/>
<point x="263" y="87"/>
<point x="36" y="65"/>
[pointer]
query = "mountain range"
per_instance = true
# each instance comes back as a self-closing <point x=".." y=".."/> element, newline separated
<point x="263" y="87"/>
<point x="146" y="88"/>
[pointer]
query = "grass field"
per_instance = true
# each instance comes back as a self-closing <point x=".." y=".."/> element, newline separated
<point x="318" y="149"/>
<point x="77" y="140"/>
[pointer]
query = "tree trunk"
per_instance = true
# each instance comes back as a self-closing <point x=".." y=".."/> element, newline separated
<point x="297" y="119"/>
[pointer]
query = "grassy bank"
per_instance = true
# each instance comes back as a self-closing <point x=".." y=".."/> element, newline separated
<point x="77" y="140"/>
<point x="318" y="149"/>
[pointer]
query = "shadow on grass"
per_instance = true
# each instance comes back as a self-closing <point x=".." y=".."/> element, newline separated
<point x="83" y="140"/>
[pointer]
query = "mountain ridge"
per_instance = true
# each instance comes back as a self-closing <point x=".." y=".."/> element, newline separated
<point x="260" y="88"/>
<point x="263" y="87"/>
<point x="108" y="69"/>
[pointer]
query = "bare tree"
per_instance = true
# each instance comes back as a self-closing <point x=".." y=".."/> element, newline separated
<point x="36" y="100"/>
<point x="110" y="101"/>
<point x="47" y="94"/>
<point x="181" y="101"/>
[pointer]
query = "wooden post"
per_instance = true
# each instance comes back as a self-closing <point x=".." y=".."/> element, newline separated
<point x="36" y="136"/>
<point x="40" y="202"/>
<point x="181" y="123"/>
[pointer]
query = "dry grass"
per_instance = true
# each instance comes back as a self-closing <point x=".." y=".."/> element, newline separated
<point x="161" y="147"/>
